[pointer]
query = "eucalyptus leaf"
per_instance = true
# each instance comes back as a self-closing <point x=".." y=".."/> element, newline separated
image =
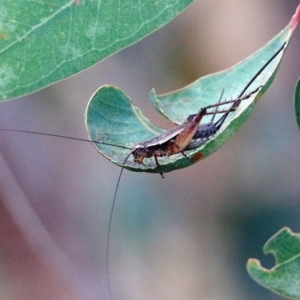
<point x="297" y="102"/>
<point x="42" y="42"/>
<point x="112" y="118"/>
<point x="284" y="277"/>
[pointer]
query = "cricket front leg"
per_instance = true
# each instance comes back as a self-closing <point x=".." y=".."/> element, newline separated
<point x="158" y="166"/>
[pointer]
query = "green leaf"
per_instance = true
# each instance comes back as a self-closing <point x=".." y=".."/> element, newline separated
<point x="42" y="42"/>
<point x="112" y="118"/>
<point x="284" y="277"/>
<point x="297" y="102"/>
<point x="206" y="90"/>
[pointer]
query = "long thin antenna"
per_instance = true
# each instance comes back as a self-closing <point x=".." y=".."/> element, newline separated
<point x="218" y="124"/>
<point x="241" y="97"/>
<point x="109" y="228"/>
<point x="262" y="68"/>
<point x="63" y="137"/>
<point x="116" y="190"/>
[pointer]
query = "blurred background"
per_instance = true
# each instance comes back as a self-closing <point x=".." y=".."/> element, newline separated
<point x="187" y="236"/>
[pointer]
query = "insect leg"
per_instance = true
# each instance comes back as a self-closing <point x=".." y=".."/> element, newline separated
<point x="234" y="106"/>
<point x="217" y="107"/>
<point x="158" y="166"/>
<point x="178" y="147"/>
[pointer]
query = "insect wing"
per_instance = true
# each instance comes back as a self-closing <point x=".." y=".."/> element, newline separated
<point x="165" y="136"/>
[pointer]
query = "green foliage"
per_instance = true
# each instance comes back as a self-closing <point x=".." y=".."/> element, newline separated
<point x="284" y="277"/>
<point x="43" y="42"/>
<point x="112" y="118"/>
<point x="297" y="102"/>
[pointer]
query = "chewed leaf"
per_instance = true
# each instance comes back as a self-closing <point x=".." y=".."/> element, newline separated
<point x="284" y="277"/>
<point x="206" y="90"/>
<point x="297" y="102"/>
<point x="111" y="117"/>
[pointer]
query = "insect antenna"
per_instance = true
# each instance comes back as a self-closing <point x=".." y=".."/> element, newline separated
<point x="63" y="137"/>
<point x="262" y="68"/>
<point x="116" y="190"/>
<point x="109" y="227"/>
<point x="236" y="103"/>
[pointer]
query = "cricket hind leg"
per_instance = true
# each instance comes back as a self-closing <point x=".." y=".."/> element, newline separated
<point x="236" y="102"/>
<point x="179" y="149"/>
<point x="208" y="130"/>
<point x="234" y="106"/>
<point x="216" y="110"/>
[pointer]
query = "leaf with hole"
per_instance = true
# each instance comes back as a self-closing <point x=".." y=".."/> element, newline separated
<point x="284" y="277"/>
<point x="112" y="118"/>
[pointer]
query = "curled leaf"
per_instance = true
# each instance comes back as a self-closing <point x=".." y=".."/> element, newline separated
<point x="112" y="118"/>
<point x="284" y="277"/>
<point x="297" y="102"/>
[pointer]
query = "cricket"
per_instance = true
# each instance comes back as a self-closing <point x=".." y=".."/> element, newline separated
<point x="178" y="140"/>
